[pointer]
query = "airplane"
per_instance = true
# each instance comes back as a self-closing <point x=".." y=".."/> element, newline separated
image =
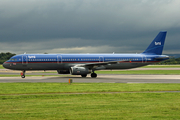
<point x="83" y="64"/>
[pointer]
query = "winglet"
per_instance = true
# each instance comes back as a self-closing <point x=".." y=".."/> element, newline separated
<point x="156" y="47"/>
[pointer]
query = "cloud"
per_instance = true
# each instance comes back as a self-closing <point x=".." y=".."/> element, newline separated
<point x="63" y="46"/>
<point x="38" y="26"/>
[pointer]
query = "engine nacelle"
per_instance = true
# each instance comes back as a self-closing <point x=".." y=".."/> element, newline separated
<point x="63" y="71"/>
<point x="79" y="71"/>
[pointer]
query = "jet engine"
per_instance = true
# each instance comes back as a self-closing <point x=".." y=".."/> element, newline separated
<point x="79" y="71"/>
<point x="63" y="71"/>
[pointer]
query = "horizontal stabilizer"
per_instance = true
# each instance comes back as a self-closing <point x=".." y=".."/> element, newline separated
<point x="163" y="57"/>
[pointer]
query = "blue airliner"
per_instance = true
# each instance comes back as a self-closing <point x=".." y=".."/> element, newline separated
<point x="83" y="64"/>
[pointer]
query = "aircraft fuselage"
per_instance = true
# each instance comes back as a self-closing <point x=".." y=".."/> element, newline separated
<point x="65" y="61"/>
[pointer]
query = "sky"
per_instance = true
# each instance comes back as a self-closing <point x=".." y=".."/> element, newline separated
<point x="87" y="26"/>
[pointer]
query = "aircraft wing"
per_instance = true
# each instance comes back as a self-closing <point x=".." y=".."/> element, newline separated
<point x="97" y="64"/>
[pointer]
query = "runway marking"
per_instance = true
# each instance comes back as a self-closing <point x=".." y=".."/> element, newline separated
<point x="78" y="93"/>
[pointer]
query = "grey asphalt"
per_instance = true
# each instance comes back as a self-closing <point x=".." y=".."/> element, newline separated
<point x="108" y="78"/>
<point x="100" y="79"/>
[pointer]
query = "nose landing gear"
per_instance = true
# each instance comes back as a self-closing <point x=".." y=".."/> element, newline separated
<point x="23" y="74"/>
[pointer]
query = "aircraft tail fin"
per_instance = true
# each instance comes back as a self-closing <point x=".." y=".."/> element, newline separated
<point x="156" y="47"/>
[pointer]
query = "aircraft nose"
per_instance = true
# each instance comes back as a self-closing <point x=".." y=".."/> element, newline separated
<point x="5" y="65"/>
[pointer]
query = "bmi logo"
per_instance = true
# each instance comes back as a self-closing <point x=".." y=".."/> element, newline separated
<point x="31" y="56"/>
<point x="157" y="43"/>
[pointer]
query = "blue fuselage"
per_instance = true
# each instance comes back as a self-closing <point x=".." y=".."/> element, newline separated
<point x="65" y="61"/>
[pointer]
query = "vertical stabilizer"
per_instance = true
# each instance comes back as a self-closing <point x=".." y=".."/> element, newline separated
<point x="156" y="47"/>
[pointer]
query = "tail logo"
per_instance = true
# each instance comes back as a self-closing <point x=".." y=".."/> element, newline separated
<point x="157" y="43"/>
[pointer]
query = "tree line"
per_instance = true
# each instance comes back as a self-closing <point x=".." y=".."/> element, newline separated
<point x="172" y="61"/>
<point x="5" y="56"/>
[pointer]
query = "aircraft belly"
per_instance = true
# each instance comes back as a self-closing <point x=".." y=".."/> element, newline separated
<point x="38" y="66"/>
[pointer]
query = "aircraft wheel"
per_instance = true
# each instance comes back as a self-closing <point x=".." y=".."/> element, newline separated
<point x="84" y="75"/>
<point x="93" y="75"/>
<point x="22" y="76"/>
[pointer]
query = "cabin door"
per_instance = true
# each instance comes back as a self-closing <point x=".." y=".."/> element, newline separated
<point x="24" y="59"/>
<point x="144" y="59"/>
<point x="59" y="59"/>
<point x="101" y="59"/>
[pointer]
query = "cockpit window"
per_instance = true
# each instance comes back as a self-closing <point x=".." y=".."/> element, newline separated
<point x="12" y="59"/>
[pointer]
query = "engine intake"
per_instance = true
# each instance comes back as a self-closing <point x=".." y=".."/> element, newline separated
<point x="79" y="71"/>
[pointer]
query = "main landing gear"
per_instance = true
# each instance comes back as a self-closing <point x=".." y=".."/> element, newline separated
<point x="93" y="75"/>
<point x="23" y="74"/>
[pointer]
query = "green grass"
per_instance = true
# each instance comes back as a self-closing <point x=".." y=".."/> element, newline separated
<point x="1" y="67"/>
<point x="31" y="88"/>
<point x="99" y="106"/>
<point x="161" y="66"/>
<point x="127" y="106"/>
<point x="149" y="72"/>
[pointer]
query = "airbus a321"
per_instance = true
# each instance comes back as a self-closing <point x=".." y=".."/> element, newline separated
<point x="83" y="64"/>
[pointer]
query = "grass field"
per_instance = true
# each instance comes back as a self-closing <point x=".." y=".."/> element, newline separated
<point x="29" y="88"/>
<point x="161" y="66"/>
<point x="34" y="105"/>
<point x="1" y="67"/>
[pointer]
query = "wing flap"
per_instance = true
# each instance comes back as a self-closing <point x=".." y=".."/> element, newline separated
<point x="91" y="65"/>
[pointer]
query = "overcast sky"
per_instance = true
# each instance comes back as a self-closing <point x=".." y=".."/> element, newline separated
<point x="87" y="26"/>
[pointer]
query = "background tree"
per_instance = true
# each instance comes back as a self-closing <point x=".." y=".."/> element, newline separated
<point x="5" y="56"/>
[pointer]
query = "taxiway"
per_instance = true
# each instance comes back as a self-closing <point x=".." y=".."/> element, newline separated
<point x="100" y="79"/>
<point x="107" y="78"/>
